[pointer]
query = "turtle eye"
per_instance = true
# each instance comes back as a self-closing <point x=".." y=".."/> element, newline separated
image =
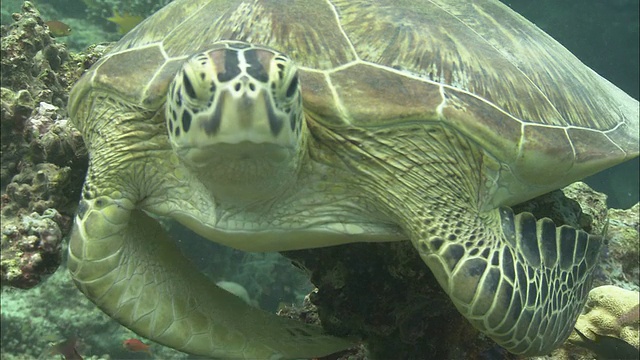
<point x="285" y="79"/>
<point x="280" y="66"/>
<point x="293" y="86"/>
<point x="196" y="81"/>
<point x="188" y="86"/>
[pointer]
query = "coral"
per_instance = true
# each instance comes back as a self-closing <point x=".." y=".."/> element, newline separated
<point x="52" y="139"/>
<point x="31" y="57"/>
<point x="576" y="205"/>
<point x="605" y="307"/>
<point x="384" y="294"/>
<point x="31" y="248"/>
<point x="43" y="158"/>
<point x="35" y="70"/>
<point x="38" y="203"/>
<point x="587" y="209"/>
<point x="37" y="188"/>
<point x="381" y="293"/>
<point x="308" y="313"/>
<point x="620" y="263"/>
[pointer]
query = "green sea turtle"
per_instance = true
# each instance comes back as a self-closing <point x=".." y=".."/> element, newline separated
<point x="280" y="125"/>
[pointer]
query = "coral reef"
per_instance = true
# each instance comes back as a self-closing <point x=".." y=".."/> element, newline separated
<point x="619" y="259"/>
<point x="43" y="157"/>
<point x="31" y="59"/>
<point x="35" y="70"/>
<point x="384" y="294"/>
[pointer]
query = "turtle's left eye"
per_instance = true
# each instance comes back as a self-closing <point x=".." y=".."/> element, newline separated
<point x="293" y="86"/>
<point x="188" y="86"/>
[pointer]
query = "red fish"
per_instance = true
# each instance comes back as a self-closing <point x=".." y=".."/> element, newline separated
<point x="136" y="345"/>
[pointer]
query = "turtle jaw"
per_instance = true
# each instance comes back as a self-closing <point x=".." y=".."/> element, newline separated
<point x="244" y="172"/>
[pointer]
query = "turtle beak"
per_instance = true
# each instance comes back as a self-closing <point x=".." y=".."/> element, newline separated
<point x="245" y="112"/>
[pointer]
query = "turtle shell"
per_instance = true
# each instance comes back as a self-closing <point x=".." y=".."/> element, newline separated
<point x="477" y="67"/>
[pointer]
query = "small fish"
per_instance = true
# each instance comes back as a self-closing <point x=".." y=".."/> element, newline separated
<point x="125" y="21"/>
<point x="66" y="348"/>
<point x="58" y="28"/>
<point x="607" y="347"/>
<point x="136" y="345"/>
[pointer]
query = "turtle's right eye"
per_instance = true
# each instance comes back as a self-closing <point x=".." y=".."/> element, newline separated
<point x="196" y="82"/>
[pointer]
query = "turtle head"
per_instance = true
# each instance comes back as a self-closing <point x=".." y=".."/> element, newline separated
<point x="234" y="114"/>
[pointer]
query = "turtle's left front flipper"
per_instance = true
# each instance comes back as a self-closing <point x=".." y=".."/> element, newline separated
<point x="520" y="281"/>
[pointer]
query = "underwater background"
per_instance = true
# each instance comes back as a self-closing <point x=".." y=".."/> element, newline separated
<point x="603" y="34"/>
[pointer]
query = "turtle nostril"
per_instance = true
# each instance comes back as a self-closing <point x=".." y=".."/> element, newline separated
<point x="238" y="86"/>
<point x="252" y="87"/>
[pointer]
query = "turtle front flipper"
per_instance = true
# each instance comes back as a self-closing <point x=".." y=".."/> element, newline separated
<point x="125" y="263"/>
<point x="520" y="281"/>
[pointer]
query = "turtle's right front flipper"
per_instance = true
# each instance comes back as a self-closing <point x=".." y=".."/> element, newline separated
<point x="126" y="264"/>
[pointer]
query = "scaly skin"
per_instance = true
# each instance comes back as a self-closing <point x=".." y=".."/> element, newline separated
<point x="520" y="281"/>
